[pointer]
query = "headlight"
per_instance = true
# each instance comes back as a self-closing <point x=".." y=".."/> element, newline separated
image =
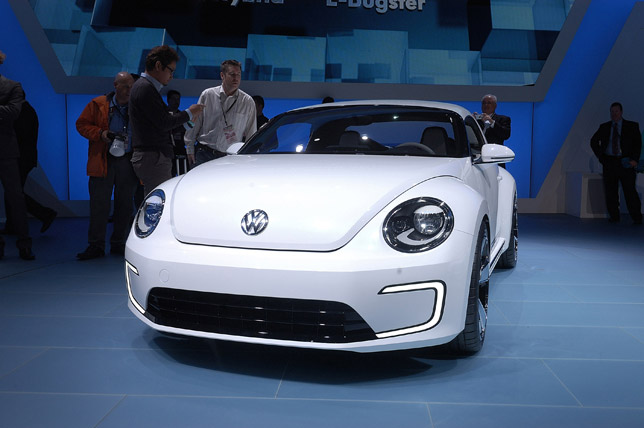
<point x="149" y="214"/>
<point x="418" y="225"/>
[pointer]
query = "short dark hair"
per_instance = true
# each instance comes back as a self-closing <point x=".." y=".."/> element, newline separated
<point x="616" y="104"/>
<point x="164" y="54"/>
<point x="2" y="57"/>
<point x="173" y="92"/>
<point x="229" y="63"/>
<point x="258" y="99"/>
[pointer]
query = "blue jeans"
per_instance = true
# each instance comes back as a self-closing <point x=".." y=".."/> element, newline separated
<point x="204" y="154"/>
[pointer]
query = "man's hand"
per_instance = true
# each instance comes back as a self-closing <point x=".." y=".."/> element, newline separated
<point x="105" y="138"/>
<point x="196" y="109"/>
<point x="191" y="159"/>
<point x="482" y="116"/>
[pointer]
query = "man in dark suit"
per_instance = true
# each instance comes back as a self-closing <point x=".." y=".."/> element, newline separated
<point x="11" y="99"/>
<point x="26" y="127"/>
<point x="496" y="127"/>
<point x="153" y="149"/>
<point x="617" y="144"/>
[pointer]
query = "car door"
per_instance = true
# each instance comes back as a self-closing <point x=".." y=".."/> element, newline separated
<point x="483" y="177"/>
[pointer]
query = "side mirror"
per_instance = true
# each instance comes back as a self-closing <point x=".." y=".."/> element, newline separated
<point x="234" y="148"/>
<point x="495" y="153"/>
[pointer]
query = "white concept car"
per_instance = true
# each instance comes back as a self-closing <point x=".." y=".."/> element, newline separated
<point x="359" y="226"/>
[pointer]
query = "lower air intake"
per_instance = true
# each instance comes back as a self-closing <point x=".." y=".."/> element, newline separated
<point x="253" y="316"/>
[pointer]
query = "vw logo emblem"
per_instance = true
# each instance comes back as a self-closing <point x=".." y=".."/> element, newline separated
<point x="254" y="222"/>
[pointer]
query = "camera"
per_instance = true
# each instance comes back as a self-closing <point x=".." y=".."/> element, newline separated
<point x="487" y="123"/>
<point x="117" y="148"/>
<point x="116" y="135"/>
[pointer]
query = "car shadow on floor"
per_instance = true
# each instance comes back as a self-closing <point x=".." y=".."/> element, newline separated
<point x="305" y="365"/>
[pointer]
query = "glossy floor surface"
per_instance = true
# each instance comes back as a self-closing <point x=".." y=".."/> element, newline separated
<point x="565" y="348"/>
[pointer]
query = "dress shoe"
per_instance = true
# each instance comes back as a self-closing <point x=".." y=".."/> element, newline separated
<point x="26" y="254"/>
<point x="48" y="221"/>
<point x="92" y="252"/>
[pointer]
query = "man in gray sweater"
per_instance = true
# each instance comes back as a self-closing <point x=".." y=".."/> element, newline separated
<point x="150" y="122"/>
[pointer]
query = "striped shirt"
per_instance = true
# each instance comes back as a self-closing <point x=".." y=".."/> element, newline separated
<point x="221" y="112"/>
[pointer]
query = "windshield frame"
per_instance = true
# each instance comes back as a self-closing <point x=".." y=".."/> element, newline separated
<point x="346" y="116"/>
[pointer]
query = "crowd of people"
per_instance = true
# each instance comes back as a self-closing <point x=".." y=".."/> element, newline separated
<point x="136" y="141"/>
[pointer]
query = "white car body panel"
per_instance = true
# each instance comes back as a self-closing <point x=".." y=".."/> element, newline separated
<point x="324" y="240"/>
<point x="358" y="186"/>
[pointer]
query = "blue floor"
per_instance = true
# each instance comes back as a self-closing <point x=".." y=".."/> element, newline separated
<point x="565" y="348"/>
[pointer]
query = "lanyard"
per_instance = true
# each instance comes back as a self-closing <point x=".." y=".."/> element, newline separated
<point x="229" y="108"/>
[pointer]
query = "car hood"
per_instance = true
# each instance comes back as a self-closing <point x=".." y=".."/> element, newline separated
<point x="313" y="202"/>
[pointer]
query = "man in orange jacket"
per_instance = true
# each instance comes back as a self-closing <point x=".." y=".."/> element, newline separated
<point x="105" y="123"/>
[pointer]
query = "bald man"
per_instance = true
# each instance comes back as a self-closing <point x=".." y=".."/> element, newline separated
<point x="496" y="127"/>
<point x="105" y="124"/>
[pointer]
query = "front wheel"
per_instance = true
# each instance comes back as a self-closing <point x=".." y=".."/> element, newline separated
<point x="509" y="257"/>
<point x="471" y="339"/>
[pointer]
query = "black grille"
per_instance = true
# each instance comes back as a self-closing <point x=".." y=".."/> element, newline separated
<point x="253" y="316"/>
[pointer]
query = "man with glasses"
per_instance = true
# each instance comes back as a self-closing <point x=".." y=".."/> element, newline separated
<point x="229" y="117"/>
<point x="153" y="150"/>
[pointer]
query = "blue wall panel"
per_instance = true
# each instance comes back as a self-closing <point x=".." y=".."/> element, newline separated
<point x="554" y="116"/>
<point x="22" y="65"/>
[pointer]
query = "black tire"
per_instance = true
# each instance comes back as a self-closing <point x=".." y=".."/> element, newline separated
<point x="509" y="257"/>
<point x="470" y="340"/>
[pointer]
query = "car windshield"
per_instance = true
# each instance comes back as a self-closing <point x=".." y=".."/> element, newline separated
<point x="370" y="130"/>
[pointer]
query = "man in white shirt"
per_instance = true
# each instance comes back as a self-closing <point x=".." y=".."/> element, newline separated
<point x="228" y="117"/>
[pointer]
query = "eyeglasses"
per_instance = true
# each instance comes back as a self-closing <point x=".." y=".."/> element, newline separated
<point x="172" y="70"/>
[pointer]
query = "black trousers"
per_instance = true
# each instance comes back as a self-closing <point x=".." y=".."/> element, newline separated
<point x="122" y="181"/>
<point x="17" y="210"/>
<point x="34" y="207"/>
<point x="613" y="174"/>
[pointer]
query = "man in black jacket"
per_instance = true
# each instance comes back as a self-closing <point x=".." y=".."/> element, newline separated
<point x="26" y="127"/>
<point x="496" y="127"/>
<point x="617" y="144"/>
<point x="11" y="99"/>
<point x="150" y="122"/>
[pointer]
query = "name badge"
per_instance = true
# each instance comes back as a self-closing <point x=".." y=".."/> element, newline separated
<point x="229" y="133"/>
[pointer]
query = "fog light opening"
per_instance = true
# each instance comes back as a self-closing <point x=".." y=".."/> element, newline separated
<point x="129" y="268"/>
<point x="437" y="311"/>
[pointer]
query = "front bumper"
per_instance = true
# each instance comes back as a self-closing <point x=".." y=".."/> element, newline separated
<point x="406" y="300"/>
